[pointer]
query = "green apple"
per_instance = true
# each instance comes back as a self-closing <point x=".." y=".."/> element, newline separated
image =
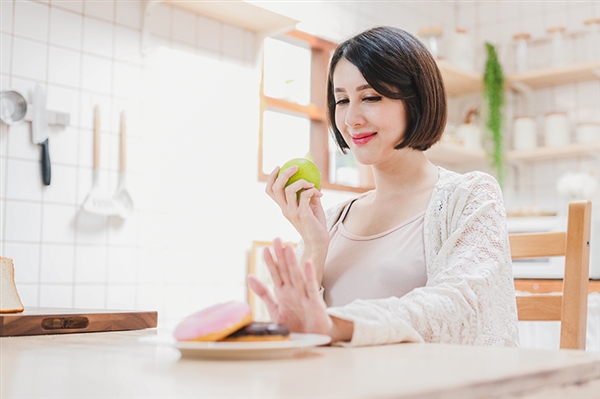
<point x="306" y="170"/>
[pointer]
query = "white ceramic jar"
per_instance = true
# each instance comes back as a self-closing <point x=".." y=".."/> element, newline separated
<point x="556" y="129"/>
<point x="524" y="133"/>
<point x="461" y="50"/>
<point x="588" y="132"/>
<point x="469" y="135"/>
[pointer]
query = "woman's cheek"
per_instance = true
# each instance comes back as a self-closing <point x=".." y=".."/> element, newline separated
<point x="340" y="120"/>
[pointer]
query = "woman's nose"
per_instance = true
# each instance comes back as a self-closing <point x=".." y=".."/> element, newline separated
<point x="354" y="116"/>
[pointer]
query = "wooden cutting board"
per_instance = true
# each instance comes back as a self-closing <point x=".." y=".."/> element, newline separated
<point x="42" y="321"/>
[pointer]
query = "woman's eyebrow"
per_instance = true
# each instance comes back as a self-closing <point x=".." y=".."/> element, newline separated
<point x="359" y="88"/>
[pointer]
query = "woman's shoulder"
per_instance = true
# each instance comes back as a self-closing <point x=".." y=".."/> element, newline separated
<point x="332" y="214"/>
<point x="454" y="183"/>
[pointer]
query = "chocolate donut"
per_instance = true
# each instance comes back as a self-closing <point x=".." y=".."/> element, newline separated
<point x="259" y="331"/>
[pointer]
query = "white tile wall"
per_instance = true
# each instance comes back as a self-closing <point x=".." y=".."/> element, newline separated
<point x="6" y="21"/>
<point x="65" y="28"/>
<point x="29" y="59"/>
<point x="27" y="255"/>
<point x="31" y="20"/>
<point x="55" y="295"/>
<point x="6" y="43"/>
<point x="57" y="264"/>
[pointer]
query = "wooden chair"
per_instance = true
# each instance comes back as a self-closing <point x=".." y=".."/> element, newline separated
<point x="570" y="308"/>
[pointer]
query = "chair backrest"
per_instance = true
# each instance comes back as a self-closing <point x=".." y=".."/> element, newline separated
<point x="570" y="308"/>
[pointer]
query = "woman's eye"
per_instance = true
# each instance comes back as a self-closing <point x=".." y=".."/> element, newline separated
<point x="372" y="98"/>
<point x="341" y="101"/>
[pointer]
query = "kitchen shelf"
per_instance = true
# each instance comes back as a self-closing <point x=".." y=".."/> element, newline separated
<point x="454" y="154"/>
<point x="552" y="153"/>
<point x="557" y="76"/>
<point x="458" y="81"/>
<point x="239" y="13"/>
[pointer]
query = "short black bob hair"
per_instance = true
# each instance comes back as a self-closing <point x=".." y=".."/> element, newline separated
<point x="396" y="65"/>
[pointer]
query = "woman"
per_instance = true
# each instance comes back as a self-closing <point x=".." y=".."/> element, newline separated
<point x="425" y="255"/>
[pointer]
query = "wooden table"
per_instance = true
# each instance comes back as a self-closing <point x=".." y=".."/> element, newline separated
<point x="117" y="365"/>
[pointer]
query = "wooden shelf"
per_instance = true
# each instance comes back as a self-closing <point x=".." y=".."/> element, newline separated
<point x="459" y="81"/>
<point x="557" y="76"/>
<point x="239" y="13"/>
<point x="311" y="110"/>
<point x="552" y="153"/>
<point x="547" y="286"/>
<point x="454" y="154"/>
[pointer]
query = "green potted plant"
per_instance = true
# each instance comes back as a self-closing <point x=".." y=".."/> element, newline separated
<point x="493" y="94"/>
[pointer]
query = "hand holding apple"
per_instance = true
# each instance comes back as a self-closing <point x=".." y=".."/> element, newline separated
<point x="306" y="170"/>
<point x="296" y="191"/>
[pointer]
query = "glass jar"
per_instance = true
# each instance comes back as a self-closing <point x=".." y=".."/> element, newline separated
<point x="557" y="50"/>
<point x="592" y="39"/>
<point x="461" y="51"/>
<point x="522" y="57"/>
<point x="432" y="38"/>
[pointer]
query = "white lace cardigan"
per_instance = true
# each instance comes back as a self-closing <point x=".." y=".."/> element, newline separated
<point x="469" y="297"/>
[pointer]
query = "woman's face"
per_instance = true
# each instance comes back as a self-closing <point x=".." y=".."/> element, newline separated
<point x="371" y="124"/>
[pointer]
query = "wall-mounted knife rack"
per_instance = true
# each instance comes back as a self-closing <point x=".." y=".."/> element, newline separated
<point x="53" y="117"/>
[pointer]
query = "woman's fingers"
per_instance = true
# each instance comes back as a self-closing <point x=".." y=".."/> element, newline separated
<point x="272" y="266"/>
<point x="296" y="277"/>
<point x="306" y="196"/>
<point x="278" y="187"/>
<point x="280" y="264"/>
<point x="271" y="181"/>
<point x="284" y="269"/>
<point x="312" y="286"/>
<point x="291" y="191"/>
<point x="263" y="293"/>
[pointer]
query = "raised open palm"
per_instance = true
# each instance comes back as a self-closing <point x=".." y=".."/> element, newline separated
<point x="297" y="303"/>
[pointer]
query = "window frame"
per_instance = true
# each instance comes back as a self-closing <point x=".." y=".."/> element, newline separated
<point x="315" y="111"/>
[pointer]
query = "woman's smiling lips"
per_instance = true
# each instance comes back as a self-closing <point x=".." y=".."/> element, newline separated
<point x="363" y="138"/>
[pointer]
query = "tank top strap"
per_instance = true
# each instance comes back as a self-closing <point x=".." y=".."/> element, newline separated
<point x="344" y="213"/>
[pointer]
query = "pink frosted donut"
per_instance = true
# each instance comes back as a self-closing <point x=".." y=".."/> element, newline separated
<point x="215" y="322"/>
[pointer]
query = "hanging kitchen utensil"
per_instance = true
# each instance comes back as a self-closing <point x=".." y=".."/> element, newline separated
<point x="122" y="197"/>
<point x="13" y="107"/>
<point x="95" y="201"/>
<point x="39" y="131"/>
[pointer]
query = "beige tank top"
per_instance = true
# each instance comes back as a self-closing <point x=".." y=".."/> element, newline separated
<point x="387" y="264"/>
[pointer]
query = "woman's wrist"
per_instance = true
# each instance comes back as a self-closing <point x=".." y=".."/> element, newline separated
<point x="341" y="330"/>
<point x="317" y="244"/>
<point x="317" y="249"/>
<point x="318" y="260"/>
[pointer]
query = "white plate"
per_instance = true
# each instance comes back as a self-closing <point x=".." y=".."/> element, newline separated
<point x="242" y="350"/>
